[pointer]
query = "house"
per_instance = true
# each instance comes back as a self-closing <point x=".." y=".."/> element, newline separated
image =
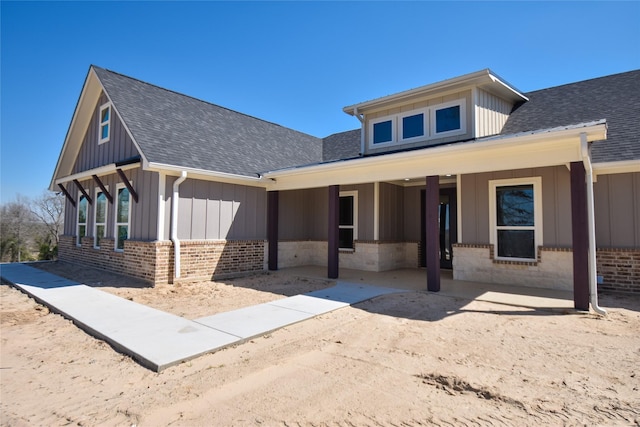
<point x="469" y="174"/>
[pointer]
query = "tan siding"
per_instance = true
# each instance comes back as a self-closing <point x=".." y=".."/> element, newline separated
<point x="491" y="114"/>
<point x="556" y="204"/>
<point x="391" y="212"/>
<point x="365" y="209"/>
<point x="617" y="206"/>
<point x="212" y="210"/>
<point x="118" y="148"/>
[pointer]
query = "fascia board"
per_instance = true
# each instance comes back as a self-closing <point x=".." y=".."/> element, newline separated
<point x="207" y="175"/>
<point x="80" y="120"/>
<point x="608" y="168"/>
<point x="535" y="150"/>
<point x="483" y="77"/>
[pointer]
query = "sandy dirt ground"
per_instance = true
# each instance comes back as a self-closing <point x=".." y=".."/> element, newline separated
<point x="404" y="359"/>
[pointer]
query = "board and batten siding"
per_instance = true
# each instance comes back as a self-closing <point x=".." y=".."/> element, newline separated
<point x="466" y="95"/>
<point x="491" y="113"/>
<point x="391" y="201"/>
<point x="617" y="210"/>
<point x="144" y="213"/>
<point x="556" y="204"/>
<point x="303" y="214"/>
<point x="119" y="147"/>
<point x="209" y="210"/>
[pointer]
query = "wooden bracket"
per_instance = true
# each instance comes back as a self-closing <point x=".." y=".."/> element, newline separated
<point x="75" y="181"/>
<point x="103" y="188"/>
<point x="126" y="182"/>
<point x="67" y="195"/>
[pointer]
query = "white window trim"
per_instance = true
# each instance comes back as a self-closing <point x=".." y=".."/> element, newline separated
<point x="103" y="107"/>
<point x="394" y="123"/>
<point x="537" y="213"/>
<point x="429" y="124"/>
<point x="115" y="218"/>
<point x="462" y="103"/>
<point x="425" y="116"/>
<point x="354" y="194"/>
<point x="86" y="217"/>
<point x="95" y="217"/>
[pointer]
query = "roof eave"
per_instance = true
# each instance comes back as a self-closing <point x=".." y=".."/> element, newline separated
<point x="485" y="78"/>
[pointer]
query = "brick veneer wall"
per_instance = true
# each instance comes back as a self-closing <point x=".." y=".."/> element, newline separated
<point x="153" y="261"/>
<point x="619" y="268"/>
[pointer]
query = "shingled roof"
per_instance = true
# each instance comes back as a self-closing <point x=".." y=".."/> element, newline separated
<point x="178" y="130"/>
<point x="342" y="145"/>
<point x="615" y="98"/>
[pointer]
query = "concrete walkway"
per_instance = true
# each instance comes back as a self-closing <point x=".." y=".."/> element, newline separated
<point x="157" y="339"/>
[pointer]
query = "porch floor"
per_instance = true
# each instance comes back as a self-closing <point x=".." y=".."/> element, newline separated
<point x="415" y="279"/>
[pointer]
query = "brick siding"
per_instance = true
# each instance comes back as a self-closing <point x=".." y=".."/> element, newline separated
<point x="619" y="268"/>
<point x="153" y="261"/>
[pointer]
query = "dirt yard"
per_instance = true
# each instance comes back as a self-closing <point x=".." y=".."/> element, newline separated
<point x="403" y="359"/>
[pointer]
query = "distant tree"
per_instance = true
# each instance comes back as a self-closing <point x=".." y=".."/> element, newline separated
<point x="48" y="208"/>
<point x="17" y="230"/>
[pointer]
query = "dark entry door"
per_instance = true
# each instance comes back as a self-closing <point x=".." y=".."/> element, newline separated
<point x="448" y="227"/>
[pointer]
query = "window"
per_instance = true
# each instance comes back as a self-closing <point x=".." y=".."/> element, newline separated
<point x="383" y="132"/>
<point x="420" y="124"/>
<point x="516" y="217"/>
<point x="449" y="118"/>
<point x="413" y="126"/>
<point x="348" y="218"/>
<point x="100" y="223"/>
<point x="105" y="123"/>
<point x="123" y="216"/>
<point x="81" y="224"/>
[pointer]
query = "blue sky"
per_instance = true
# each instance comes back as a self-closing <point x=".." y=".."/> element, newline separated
<point x="293" y="63"/>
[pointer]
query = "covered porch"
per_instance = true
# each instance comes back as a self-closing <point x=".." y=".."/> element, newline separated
<point x="413" y="279"/>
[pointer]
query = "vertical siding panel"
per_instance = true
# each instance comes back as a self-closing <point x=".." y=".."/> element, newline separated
<point x="635" y="194"/>
<point x="240" y="207"/>
<point x="226" y="211"/>
<point x="199" y="210"/>
<point x="563" y="205"/>
<point x="213" y="211"/>
<point x="184" y="209"/>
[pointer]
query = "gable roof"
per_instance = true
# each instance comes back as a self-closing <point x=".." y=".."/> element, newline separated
<point x="615" y="98"/>
<point x="177" y="130"/>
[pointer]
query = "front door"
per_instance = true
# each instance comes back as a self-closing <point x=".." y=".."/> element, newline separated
<point x="448" y="222"/>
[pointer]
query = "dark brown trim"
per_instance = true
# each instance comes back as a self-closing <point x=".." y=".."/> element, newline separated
<point x="126" y="182"/>
<point x="432" y="200"/>
<point x="103" y="188"/>
<point x="67" y="195"/>
<point x="75" y="181"/>
<point x="272" y="228"/>
<point x="580" y="236"/>
<point x="333" y="238"/>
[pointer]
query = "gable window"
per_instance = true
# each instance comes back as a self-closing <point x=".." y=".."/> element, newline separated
<point x="413" y="126"/>
<point x="81" y="224"/>
<point x="516" y="217"/>
<point x="383" y="132"/>
<point x="123" y="216"/>
<point x="100" y="222"/>
<point x="449" y="118"/>
<point x="348" y="220"/>
<point x="105" y="123"/>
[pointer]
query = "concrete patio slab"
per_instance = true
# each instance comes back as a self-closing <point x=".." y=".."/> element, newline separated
<point x="157" y="339"/>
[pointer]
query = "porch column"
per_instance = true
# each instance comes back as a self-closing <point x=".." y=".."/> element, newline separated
<point x="580" y="237"/>
<point x="334" y="231"/>
<point x="272" y="228"/>
<point x="432" y="201"/>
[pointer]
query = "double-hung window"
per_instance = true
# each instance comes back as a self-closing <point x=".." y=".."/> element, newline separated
<point x="516" y="217"/>
<point x="123" y="216"/>
<point x="100" y="221"/>
<point x="348" y="220"/>
<point x="81" y="223"/>
<point x="104" y="128"/>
